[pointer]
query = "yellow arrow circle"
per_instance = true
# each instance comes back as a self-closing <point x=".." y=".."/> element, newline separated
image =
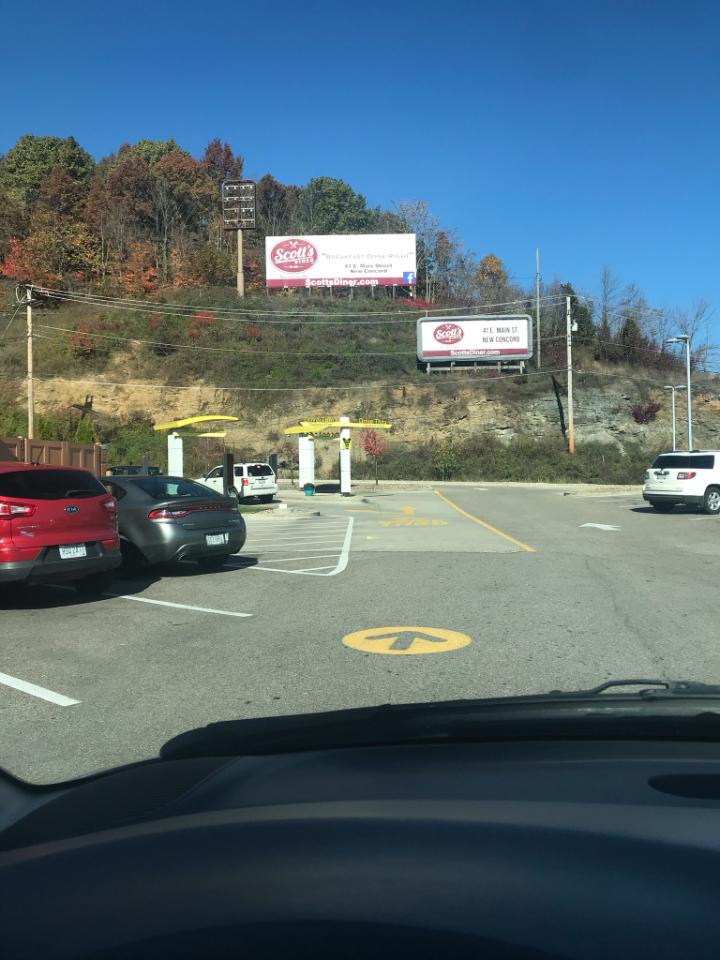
<point x="402" y="641"/>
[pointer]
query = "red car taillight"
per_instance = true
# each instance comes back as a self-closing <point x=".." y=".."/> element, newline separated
<point x="245" y="481"/>
<point x="686" y="475"/>
<point x="164" y="513"/>
<point x="9" y="509"/>
<point x="110" y="505"/>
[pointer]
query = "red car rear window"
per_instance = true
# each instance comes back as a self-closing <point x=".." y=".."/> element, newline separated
<point x="49" y="484"/>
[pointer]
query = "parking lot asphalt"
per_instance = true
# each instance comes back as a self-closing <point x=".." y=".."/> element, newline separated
<point x="388" y="596"/>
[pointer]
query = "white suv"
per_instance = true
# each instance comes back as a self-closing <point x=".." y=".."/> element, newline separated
<point x="251" y="480"/>
<point x="690" y="478"/>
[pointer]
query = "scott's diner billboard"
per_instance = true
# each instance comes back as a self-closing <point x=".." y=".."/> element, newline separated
<point x="341" y="260"/>
<point x="495" y="337"/>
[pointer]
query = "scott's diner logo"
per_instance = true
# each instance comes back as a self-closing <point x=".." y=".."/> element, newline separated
<point x="448" y="333"/>
<point x="293" y="255"/>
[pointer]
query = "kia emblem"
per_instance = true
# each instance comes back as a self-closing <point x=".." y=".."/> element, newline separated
<point x="72" y="509"/>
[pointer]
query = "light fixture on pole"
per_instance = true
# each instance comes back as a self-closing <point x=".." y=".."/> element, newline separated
<point x="674" y="387"/>
<point x="684" y="338"/>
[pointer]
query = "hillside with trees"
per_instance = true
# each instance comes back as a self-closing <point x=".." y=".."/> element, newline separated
<point x="142" y="277"/>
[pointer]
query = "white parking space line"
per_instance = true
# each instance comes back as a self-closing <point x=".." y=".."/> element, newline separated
<point x="296" y="551"/>
<point x="313" y="556"/>
<point x="35" y="691"/>
<point x="179" y="606"/>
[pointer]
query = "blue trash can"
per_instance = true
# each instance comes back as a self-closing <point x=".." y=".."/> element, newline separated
<point x="309" y="489"/>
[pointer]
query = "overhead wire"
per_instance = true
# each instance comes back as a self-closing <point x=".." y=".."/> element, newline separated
<point x="243" y="353"/>
<point x="260" y="316"/>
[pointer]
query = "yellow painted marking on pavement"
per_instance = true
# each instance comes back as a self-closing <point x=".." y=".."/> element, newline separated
<point x="412" y="522"/>
<point x="482" y="523"/>
<point x="406" y="641"/>
<point x="408" y="510"/>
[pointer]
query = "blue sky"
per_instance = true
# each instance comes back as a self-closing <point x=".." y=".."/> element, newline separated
<point x="590" y="129"/>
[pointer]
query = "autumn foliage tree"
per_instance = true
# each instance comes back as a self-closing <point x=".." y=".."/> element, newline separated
<point x="375" y="446"/>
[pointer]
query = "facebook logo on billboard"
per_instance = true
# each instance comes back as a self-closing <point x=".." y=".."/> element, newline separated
<point x="408" y="277"/>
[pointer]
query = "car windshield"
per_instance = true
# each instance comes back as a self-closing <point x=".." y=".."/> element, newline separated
<point x="351" y="355"/>
<point x="173" y="488"/>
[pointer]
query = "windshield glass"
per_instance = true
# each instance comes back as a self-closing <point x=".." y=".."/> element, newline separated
<point x="374" y="355"/>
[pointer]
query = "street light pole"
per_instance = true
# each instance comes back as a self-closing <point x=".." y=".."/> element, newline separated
<point x="684" y="338"/>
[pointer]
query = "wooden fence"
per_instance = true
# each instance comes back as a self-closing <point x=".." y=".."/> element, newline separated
<point x="61" y="453"/>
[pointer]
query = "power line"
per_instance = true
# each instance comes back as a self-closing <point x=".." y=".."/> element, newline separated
<point x="259" y="316"/>
<point x="242" y="353"/>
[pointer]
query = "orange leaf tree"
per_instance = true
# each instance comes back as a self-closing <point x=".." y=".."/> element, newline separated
<point x="374" y="445"/>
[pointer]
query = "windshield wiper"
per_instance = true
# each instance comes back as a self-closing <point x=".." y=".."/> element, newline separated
<point x="660" y="710"/>
<point x="77" y="494"/>
<point x="649" y="690"/>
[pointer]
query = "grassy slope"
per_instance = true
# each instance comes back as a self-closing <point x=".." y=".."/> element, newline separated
<point x="250" y="352"/>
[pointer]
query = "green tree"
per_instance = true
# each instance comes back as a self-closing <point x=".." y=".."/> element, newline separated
<point x="581" y="315"/>
<point x="445" y="460"/>
<point x="332" y="206"/>
<point x="85" y="432"/>
<point x="30" y="161"/>
<point x="151" y="151"/>
<point x="631" y="341"/>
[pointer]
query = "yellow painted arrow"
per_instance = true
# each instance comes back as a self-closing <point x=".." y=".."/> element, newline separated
<point x="174" y="424"/>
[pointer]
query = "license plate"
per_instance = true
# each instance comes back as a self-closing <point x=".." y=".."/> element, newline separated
<point x="216" y="539"/>
<point x="77" y="550"/>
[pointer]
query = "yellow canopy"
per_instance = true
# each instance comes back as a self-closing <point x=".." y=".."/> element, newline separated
<point x="320" y="426"/>
<point x="174" y="424"/>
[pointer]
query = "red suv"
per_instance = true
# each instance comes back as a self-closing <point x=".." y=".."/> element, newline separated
<point x="56" y="524"/>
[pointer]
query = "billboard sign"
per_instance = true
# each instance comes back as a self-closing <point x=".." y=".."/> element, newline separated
<point x="341" y="260"/>
<point x="495" y="337"/>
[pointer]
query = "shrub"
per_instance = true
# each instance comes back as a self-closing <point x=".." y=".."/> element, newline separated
<point x="645" y="412"/>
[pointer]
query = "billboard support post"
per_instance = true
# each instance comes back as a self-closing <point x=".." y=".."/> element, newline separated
<point x="240" y="271"/>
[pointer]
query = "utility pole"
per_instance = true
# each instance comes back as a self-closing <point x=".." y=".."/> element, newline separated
<point x="30" y="384"/>
<point x="571" y="419"/>
<point x="537" y="303"/>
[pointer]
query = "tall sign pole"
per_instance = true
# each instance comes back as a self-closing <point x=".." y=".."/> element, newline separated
<point x="239" y="213"/>
<point x="537" y="304"/>
<point x="240" y="270"/>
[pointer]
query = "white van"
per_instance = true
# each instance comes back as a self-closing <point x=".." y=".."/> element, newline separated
<point x="251" y="480"/>
<point x="690" y="478"/>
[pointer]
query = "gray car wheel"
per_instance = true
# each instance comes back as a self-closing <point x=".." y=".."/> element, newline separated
<point x="711" y="501"/>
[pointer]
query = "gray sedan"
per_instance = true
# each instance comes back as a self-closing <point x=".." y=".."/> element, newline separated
<point x="165" y="519"/>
